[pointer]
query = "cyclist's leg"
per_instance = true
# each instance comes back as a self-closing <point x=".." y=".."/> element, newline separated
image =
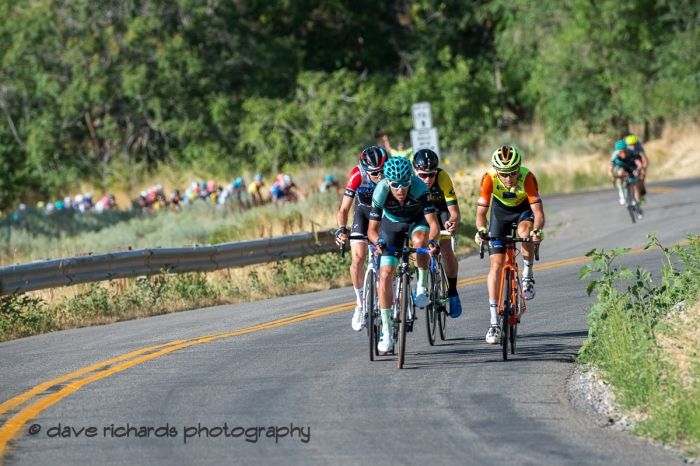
<point x="358" y="246"/>
<point x="449" y="259"/>
<point x="636" y="189"/>
<point x="620" y="174"/>
<point x="393" y="233"/>
<point x="525" y="225"/>
<point x="451" y="265"/>
<point x="419" y="238"/>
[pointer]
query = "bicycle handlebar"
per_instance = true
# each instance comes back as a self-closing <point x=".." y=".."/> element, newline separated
<point x="342" y="249"/>
<point x="416" y="250"/>
<point x="509" y="240"/>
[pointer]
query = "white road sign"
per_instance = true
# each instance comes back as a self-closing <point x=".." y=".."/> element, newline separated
<point x="425" y="139"/>
<point x="422" y="116"/>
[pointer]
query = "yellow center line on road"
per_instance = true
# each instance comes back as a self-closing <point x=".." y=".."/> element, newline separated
<point x="107" y="368"/>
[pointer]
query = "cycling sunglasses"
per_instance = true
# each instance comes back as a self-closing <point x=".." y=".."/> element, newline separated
<point x="427" y="174"/>
<point x="509" y="174"/>
<point x="376" y="173"/>
<point x="400" y="184"/>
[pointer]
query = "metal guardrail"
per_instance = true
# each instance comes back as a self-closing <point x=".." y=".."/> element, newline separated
<point x="99" y="267"/>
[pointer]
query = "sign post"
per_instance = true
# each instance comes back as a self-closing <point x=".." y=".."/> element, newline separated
<point x="423" y="135"/>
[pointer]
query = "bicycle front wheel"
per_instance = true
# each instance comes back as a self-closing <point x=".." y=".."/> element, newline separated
<point x="442" y="314"/>
<point x="370" y="310"/>
<point x="505" y="314"/>
<point x="432" y="309"/>
<point x="630" y="200"/>
<point x="403" y="314"/>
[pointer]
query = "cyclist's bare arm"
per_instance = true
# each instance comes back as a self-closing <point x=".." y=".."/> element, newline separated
<point x="434" y="225"/>
<point x="538" y="211"/>
<point x="342" y="216"/>
<point x="481" y="221"/>
<point x="373" y="230"/>
<point x="455" y="216"/>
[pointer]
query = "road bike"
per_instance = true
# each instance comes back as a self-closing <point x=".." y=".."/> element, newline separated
<point x="436" y="310"/>
<point x="628" y="190"/>
<point x="370" y="303"/>
<point x="511" y="305"/>
<point x="371" y="311"/>
<point x="403" y="310"/>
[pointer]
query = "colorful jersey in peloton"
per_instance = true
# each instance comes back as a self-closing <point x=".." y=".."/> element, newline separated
<point x="360" y="184"/>
<point x="525" y="190"/>
<point x="418" y="201"/>
<point x="442" y="192"/>
<point x="627" y="163"/>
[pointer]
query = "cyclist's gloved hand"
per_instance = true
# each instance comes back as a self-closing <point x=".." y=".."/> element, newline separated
<point x="434" y="245"/>
<point x="381" y="244"/>
<point x="539" y="232"/>
<point x="341" y="234"/>
<point x="480" y="235"/>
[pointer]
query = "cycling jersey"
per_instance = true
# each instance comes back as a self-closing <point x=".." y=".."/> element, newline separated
<point x="418" y="202"/>
<point x="525" y="190"/>
<point x="361" y="185"/>
<point x="442" y="192"/>
<point x="627" y="163"/>
<point x="635" y="148"/>
<point x="510" y="206"/>
<point x="279" y="192"/>
<point x="254" y="187"/>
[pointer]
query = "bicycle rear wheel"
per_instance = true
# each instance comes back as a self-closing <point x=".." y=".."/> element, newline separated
<point x="505" y="315"/>
<point x="432" y="309"/>
<point x="630" y="200"/>
<point x="403" y="314"/>
<point x="370" y="309"/>
<point x="442" y="314"/>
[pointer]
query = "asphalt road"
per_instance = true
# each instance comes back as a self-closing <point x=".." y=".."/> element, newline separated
<point x="456" y="402"/>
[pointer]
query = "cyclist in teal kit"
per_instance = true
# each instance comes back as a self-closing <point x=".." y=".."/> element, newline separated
<point x="401" y="204"/>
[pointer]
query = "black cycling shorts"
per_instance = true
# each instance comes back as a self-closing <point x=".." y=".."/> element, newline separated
<point x="360" y="223"/>
<point x="394" y="233"/>
<point x="501" y="223"/>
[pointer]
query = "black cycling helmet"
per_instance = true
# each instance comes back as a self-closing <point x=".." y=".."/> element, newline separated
<point x="373" y="158"/>
<point x="426" y="160"/>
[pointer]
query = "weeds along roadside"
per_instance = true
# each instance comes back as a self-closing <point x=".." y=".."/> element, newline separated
<point x="645" y="344"/>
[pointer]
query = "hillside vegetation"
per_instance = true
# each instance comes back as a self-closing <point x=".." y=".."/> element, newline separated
<point x="110" y="92"/>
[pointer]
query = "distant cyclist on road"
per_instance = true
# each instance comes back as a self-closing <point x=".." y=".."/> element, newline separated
<point x="400" y="205"/>
<point x="635" y="146"/>
<point x="516" y="199"/>
<point x="624" y="164"/>
<point x="361" y="183"/>
<point x="329" y="183"/>
<point x="442" y="192"/>
<point x="254" y="190"/>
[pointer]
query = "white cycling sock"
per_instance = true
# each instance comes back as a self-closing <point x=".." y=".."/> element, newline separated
<point x="527" y="270"/>
<point x="493" y="307"/>
<point x="359" y="292"/>
<point x="619" y="188"/>
<point x="386" y="321"/>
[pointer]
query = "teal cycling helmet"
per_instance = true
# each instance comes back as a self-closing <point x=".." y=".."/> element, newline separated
<point x="620" y="145"/>
<point x="329" y="178"/>
<point x="238" y="182"/>
<point x="397" y="169"/>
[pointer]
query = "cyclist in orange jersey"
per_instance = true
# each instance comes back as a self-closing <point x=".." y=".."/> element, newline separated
<point x="513" y="189"/>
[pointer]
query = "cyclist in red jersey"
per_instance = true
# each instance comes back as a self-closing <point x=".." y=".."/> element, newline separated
<point x="360" y="187"/>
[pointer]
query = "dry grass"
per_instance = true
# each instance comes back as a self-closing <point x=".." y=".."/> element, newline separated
<point x="680" y="344"/>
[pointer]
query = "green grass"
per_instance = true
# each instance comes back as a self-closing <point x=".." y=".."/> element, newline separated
<point x="645" y="348"/>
